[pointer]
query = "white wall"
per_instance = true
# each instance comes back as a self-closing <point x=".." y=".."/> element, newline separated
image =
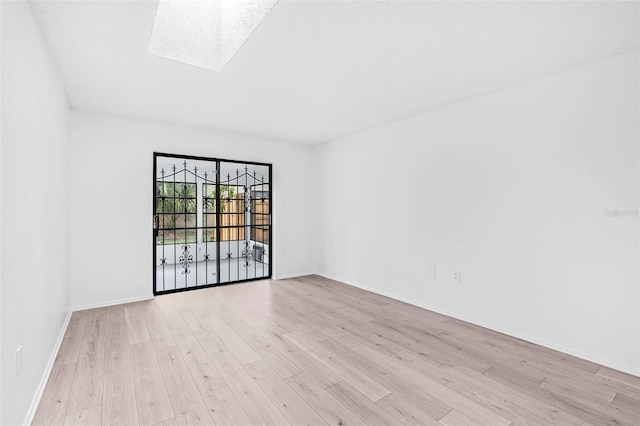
<point x="111" y="200"/>
<point x="0" y="216"/>
<point x="511" y="189"/>
<point x="35" y="221"/>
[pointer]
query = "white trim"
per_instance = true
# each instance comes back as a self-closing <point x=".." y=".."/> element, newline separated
<point x="532" y="339"/>
<point x="111" y="303"/>
<point x="300" y="274"/>
<point x="47" y="372"/>
<point x="54" y="353"/>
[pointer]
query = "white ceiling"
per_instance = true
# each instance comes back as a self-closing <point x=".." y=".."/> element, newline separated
<point x="318" y="70"/>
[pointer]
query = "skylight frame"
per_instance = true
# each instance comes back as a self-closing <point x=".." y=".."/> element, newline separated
<point x="205" y="33"/>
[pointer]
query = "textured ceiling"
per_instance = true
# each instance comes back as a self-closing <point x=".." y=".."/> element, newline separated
<point x="318" y="70"/>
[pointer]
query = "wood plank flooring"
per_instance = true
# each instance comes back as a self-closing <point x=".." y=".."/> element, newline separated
<point x="311" y="351"/>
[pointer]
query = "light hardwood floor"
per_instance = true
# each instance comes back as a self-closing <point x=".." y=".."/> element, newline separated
<point x="315" y="351"/>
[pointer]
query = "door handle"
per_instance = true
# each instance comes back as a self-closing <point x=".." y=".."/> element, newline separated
<point x="156" y="224"/>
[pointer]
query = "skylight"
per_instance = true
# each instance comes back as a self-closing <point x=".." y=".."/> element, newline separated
<point x="205" y="33"/>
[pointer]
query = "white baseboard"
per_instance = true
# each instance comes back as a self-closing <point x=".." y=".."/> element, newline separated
<point x="285" y="276"/>
<point x="52" y="358"/>
<point x="111" y="303"/>
<point x="47" y="372"/>
<point x="532" y="339"/>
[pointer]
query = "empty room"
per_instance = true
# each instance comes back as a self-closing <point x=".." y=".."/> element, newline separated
<point x="319" y="212"/>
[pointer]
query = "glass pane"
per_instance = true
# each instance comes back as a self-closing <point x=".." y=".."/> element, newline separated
<point x="209" y="220"/>
<point x="169" y="237"/>
<point x="260" y="234"/>
<point x="259" y="219"/>
<point x="234" y="204"/>
<point x="166" y="221"/>
<point x="164" y="189"/>
<point x="185" y="190"/>
<point x="229" y="192"/>
<point x="209" y="205"/>
<point x="191" y="236"/>
<point x="183" y="220"/>
<point x="180" y="236"/>
<point x="232" y="219"/>
<point x="185" y="205"/>
<point x="209" y="190"/>
<point x="176" y="189"/>
<point x="165" y="205"/>
<point x="225" y="234"/>
<point x="232" y="233"/>
<point x="209" y="235"/>
<point x="263" y="206"/>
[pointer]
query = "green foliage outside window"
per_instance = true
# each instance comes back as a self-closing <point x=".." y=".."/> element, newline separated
<point x="226" y="194"/>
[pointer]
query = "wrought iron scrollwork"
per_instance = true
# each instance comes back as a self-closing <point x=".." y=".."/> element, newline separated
<point x="186" y="259"/>
<point x="247" y="199"/>
<point x="247" y="254"/>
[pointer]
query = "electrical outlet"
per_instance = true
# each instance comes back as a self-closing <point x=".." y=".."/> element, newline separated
<point x="457" y="277"/>
<point x="19" y="361"/>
